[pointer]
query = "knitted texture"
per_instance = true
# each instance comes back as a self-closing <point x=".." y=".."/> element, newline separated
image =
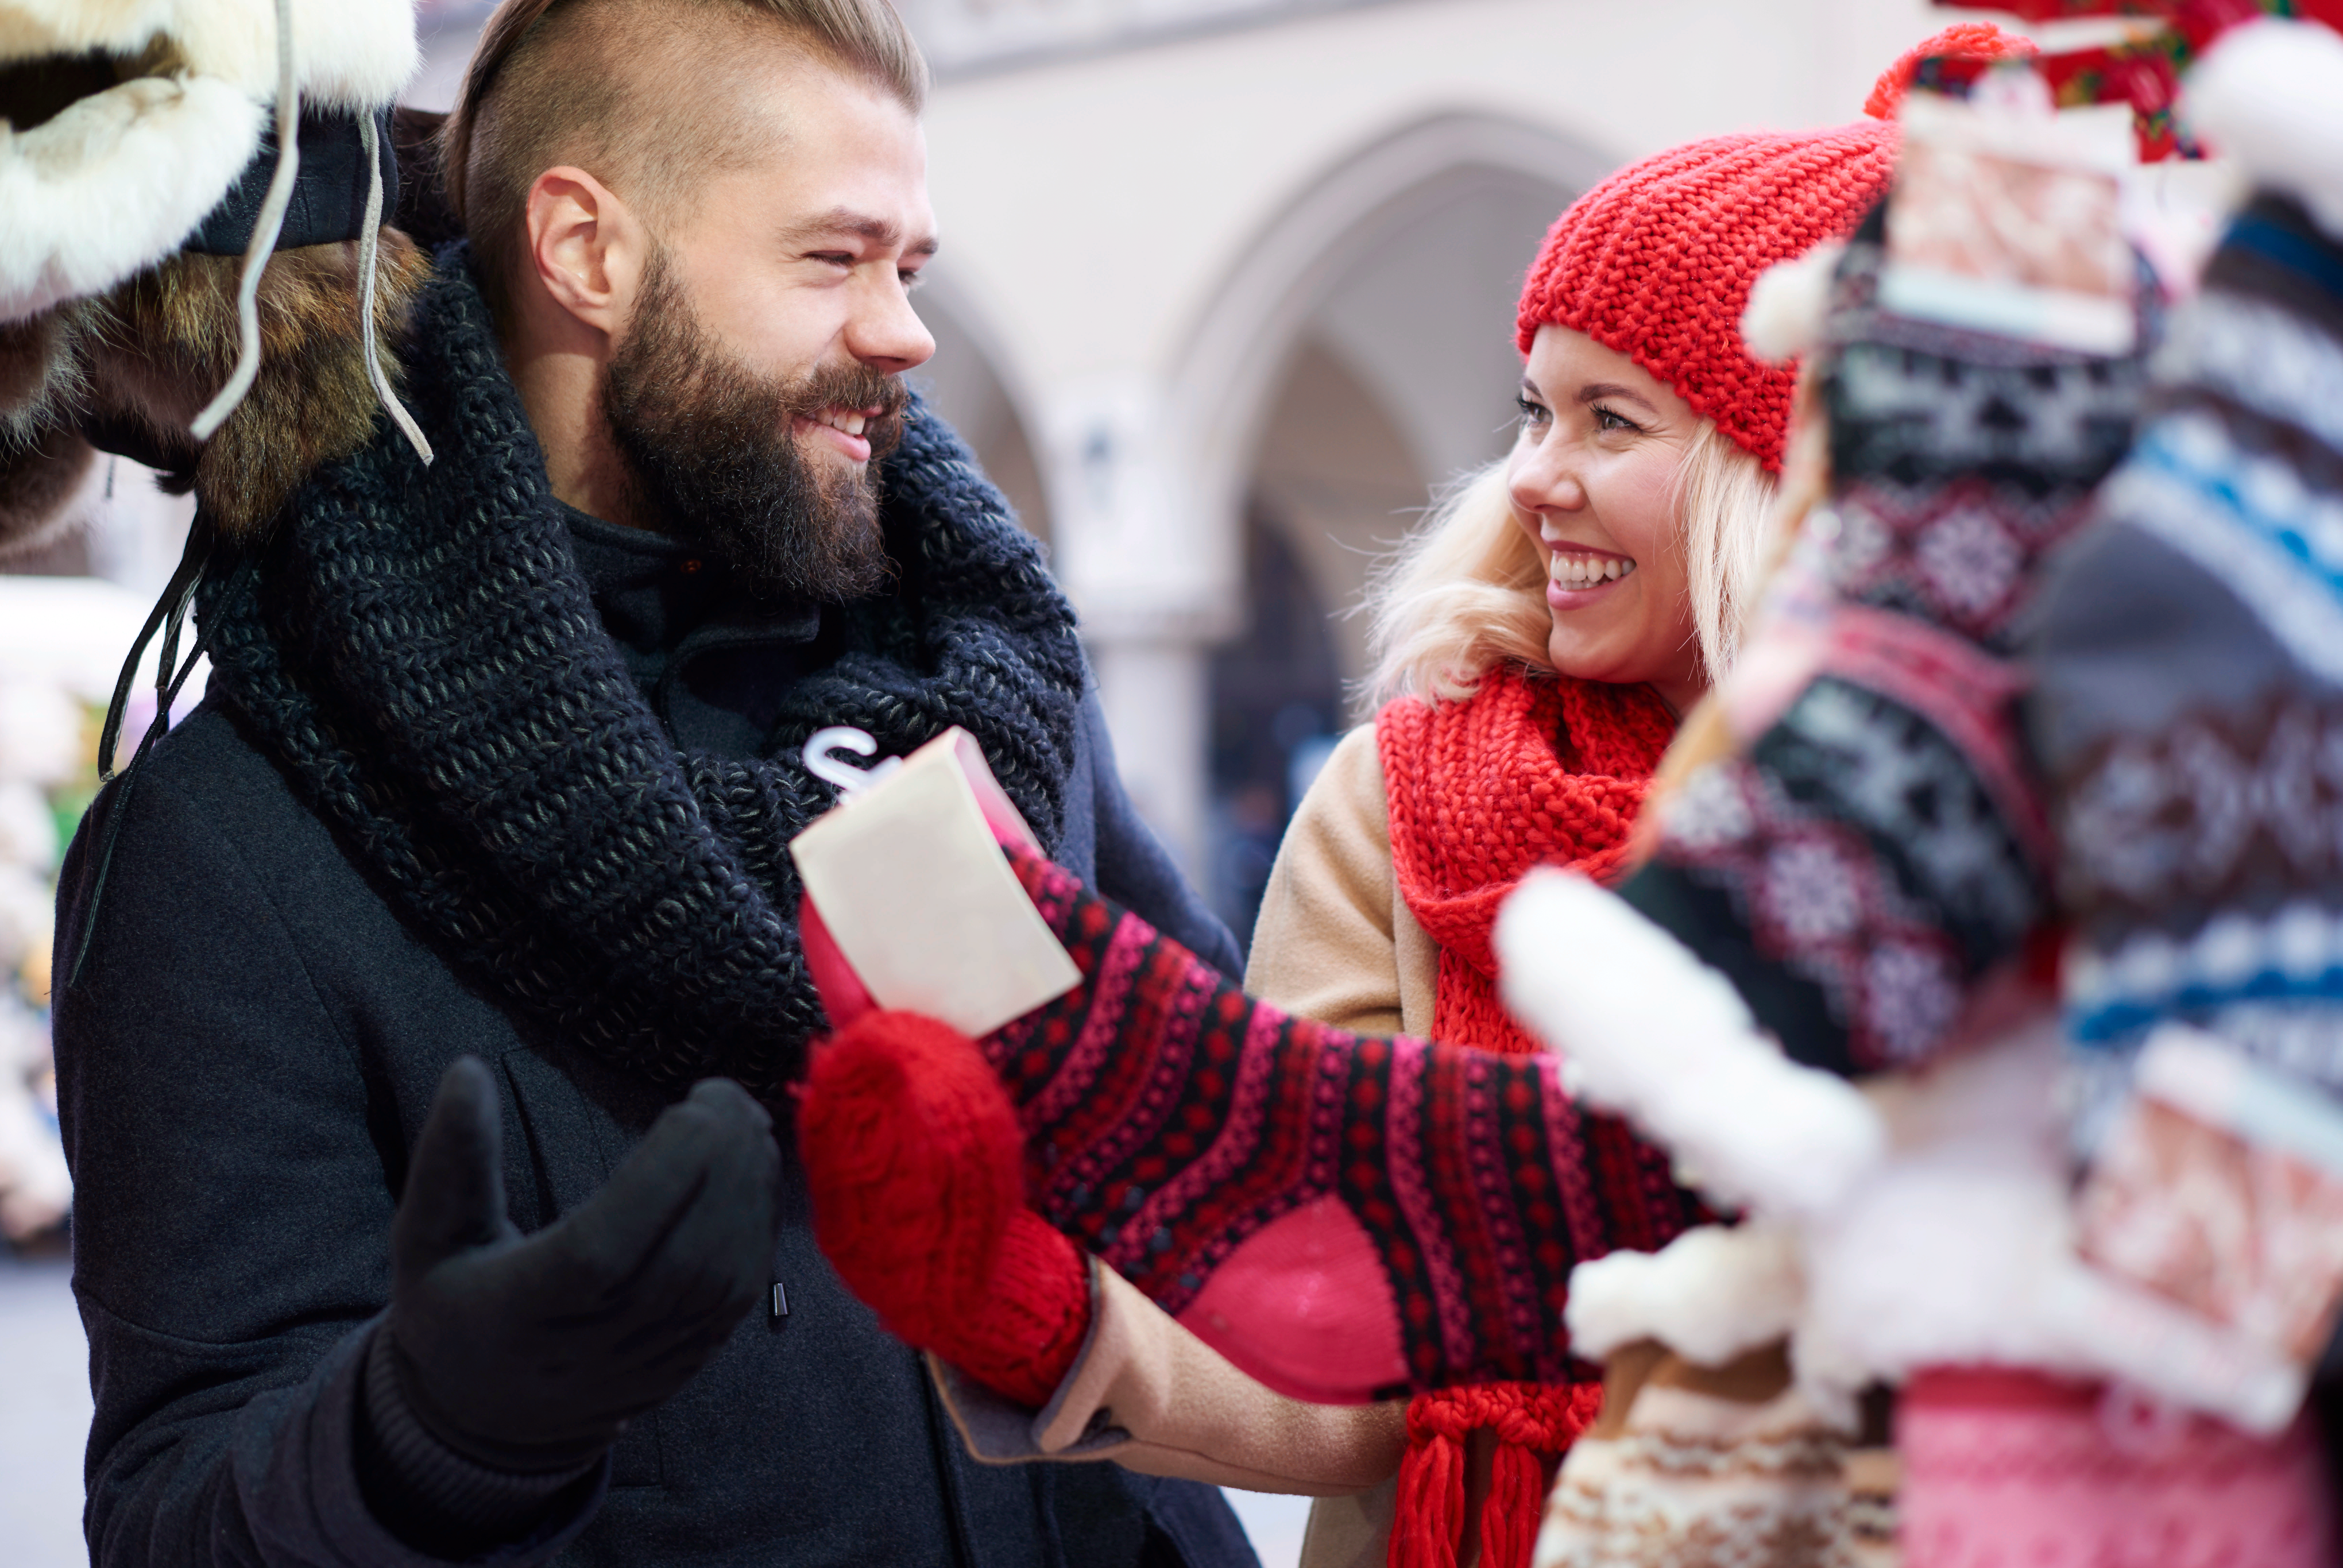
<point x="1528" y="1421"/>
<point x="1657" y="261"/>
<point x="1963" y="40"/>
<point x="417" y="651"/>
<point x="2005" y="1466"/>
<point x="912" y="1158"/>
<point x="2190" y="707"/>
<point x="1169" y="1117"/>
<point x="1880" y="846"/>
<point x="1528" y="771"/>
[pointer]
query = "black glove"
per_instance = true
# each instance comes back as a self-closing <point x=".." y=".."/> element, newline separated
<point x="529" y="1356"/>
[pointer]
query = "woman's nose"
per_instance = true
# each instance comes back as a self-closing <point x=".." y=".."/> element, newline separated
<point x="1543" y="480"/>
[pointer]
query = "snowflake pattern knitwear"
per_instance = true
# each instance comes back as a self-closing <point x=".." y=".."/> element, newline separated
<point x="2189" y="705"/>
<point x="1880" y="844"/>
<point x="1657" y="261"/>
<point x="1528" y="771"/>
<point x="417" y="649"/>
<point x="1169" y="1117"/>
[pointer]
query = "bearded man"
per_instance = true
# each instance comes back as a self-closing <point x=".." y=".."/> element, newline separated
<point x="425" y="1009"/>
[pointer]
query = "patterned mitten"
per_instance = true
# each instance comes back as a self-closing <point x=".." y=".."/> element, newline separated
<point x="1877" y="847"/>
<point x="2190" y="707"/>
<point x="911" y="1157"/>
<point x="1343" y="1217"/>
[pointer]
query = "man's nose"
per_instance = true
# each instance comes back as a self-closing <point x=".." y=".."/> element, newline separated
<point x="886" y="334"/>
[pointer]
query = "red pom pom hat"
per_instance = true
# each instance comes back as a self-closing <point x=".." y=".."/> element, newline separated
<point x="1657" y="261"/>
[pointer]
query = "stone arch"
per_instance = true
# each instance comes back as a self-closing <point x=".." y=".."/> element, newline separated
<point x="975" y="385"/>
<point x="1246" y="336"/>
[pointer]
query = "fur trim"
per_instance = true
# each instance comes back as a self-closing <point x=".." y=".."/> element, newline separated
<point x="1710" y="1295"/>
<point x="38" y="484"/>
<point x="1653" y="1033"/>
<point x="2269" y="95"/>
<point x="1784" y="318"/>
<point x="152" y="352"/>
<point x="112" y="185"/>
<point x="347" y="54"/>
<point x="1949" y="1251"/>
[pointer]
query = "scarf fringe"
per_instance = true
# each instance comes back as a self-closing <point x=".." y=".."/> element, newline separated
<point x="1534" y="1423"/>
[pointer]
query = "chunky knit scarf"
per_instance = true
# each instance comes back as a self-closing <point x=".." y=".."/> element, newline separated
<point x="1527" y="772"/>
<point x="417" y="649"/>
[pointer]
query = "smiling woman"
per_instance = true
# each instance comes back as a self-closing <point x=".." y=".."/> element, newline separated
<point x="1535" y="644"/>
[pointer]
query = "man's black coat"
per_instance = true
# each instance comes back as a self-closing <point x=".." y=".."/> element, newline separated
<point x="245" y="1059"/>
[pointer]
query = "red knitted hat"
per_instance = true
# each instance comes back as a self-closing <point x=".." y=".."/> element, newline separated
<point x="1656" y="262"/>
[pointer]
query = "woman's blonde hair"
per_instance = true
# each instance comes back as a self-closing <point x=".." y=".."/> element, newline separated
<point x="1466" y="589"/>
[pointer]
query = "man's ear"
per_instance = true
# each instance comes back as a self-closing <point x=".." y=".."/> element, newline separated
<point x="587" y="248"/>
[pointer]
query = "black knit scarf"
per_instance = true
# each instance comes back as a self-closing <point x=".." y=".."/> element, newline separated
<point x="417" y="649"/>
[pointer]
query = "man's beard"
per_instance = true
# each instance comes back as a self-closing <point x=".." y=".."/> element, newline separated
<point x="711" y="449"/>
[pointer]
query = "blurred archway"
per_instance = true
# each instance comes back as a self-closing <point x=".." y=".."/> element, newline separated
<point x="1395" y="374"/>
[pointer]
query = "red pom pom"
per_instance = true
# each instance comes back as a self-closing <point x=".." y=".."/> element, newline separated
<point x="1963" y="40"/>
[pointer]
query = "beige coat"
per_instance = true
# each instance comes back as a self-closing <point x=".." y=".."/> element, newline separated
<point x="1334" y="943"/>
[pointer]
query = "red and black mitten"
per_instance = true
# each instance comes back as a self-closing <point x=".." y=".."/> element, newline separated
<point x="1345" y="1217"/>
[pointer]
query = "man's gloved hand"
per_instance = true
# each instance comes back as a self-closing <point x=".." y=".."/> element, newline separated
<point x="530" y="1354"/>
<point x="913" y="1161"/>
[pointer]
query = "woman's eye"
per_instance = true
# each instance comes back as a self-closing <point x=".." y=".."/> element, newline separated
<point x="1532" y="413"/>
<point x="1604" y="419"/>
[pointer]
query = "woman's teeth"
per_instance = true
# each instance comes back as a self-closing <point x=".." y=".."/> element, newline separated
<point x="1585" y="571"/>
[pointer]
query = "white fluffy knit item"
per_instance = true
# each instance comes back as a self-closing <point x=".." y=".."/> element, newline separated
<point x="1784" y="318"/>
<point x="1651" y="1033"/>
<point x="1710" y="1295"/>
<point x="2269" y="95"/>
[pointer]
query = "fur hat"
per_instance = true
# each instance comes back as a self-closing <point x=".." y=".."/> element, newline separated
<point x="136" y="143"/>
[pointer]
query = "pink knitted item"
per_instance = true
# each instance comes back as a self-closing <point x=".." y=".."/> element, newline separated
<point x="2005" y="1468"/>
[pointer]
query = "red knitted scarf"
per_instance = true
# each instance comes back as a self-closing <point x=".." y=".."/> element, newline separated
<point x="1529" y="772"/>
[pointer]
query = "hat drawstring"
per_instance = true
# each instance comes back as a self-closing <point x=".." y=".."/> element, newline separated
<point x="264" y="236"/>
<point x="368" y="245"/>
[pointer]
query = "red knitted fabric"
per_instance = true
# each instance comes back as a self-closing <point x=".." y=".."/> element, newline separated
<point x="1531" y="1422"/>
<point x="1969" y="40"/>
<point x="1527" y="772"/>
<point x="914" y="1162"/>
<point x="1656" y="262"/>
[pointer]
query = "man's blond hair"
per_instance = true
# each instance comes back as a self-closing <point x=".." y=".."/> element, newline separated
<point x="642" y="94"/>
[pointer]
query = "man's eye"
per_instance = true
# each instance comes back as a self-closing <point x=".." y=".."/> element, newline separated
<point x="909" y="276"/>
<point x="833" y="257"/>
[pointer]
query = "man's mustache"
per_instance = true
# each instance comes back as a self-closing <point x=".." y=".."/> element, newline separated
<point x="859" y="388"/>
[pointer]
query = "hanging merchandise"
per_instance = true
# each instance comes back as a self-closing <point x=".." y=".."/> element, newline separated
<point x="182" y="181"/>
<point x="2142" y="71"/>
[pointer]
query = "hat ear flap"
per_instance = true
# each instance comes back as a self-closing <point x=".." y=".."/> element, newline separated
<point x="38" y="484"/>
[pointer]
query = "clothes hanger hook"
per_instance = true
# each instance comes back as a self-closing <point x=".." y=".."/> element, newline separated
<point x="823" y="759"/>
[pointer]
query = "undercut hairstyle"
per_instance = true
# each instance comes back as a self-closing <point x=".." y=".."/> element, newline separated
<point x="644" y="95"/>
